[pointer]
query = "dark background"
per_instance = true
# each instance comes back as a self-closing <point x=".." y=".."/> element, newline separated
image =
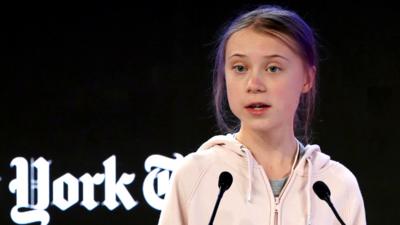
<point x="83" y="82"/>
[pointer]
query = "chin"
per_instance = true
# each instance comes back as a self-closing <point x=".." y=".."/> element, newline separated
<point x="260" y="126"/>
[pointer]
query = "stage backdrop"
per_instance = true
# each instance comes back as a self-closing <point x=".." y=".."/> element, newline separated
<point x="101" y="102"/>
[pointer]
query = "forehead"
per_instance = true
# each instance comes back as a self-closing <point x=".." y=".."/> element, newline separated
<point x="248" y="41"/>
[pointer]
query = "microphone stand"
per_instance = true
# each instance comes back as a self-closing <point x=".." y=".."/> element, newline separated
<point x="224" y="182"/>
<point x="221" y="192"/>
<point x="334" y="211"/>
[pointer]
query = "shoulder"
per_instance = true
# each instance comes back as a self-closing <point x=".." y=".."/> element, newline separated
<point x="345" y="191"/>
<point x="195" y="166"/>
<point x="323" y="166"/>
<point x="338" y="172"/>
<point x="217" y="151"/>
<point x="332" y="172"/>
<point x="339" y="178"/>
<point x="341" y="172"/>
<point x="196" y="163"/>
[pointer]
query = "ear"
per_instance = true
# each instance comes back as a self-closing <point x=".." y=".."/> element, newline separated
<point x="309" y="79"/>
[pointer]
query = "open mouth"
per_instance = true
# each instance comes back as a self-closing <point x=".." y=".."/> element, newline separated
<point x="258" y="106"/>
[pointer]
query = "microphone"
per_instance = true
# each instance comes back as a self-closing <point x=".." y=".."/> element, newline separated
<point x="323" y="192"/>
<point x="224" y="183"/>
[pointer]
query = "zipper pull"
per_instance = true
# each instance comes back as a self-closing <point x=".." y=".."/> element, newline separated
<point x="276" y="211"/>
<point x="276" y="201"/>
<point x="276" y="217"/>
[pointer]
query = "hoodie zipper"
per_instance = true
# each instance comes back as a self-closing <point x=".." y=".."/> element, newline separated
<point x="276" y="211"/>
<point x="277" y="200"/>
<point x="276" y="204"/>
<point x="283" y="191"/>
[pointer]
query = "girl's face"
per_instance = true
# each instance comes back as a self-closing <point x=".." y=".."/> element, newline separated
<point x="264" y="80"/>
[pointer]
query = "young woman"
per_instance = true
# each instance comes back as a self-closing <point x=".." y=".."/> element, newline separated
<point x="265" y="77"/>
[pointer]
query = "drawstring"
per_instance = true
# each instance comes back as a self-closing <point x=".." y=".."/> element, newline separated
<point x="250" y="173"/>
<point x="309" y="191"/>
<point x="249" y="170"/>
<point x="250" y="164"/>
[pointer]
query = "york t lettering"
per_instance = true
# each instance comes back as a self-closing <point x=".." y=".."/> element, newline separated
<point x="114" y="189"/>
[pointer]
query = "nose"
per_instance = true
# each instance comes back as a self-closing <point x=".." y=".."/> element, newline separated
<point x="255" y="84"/>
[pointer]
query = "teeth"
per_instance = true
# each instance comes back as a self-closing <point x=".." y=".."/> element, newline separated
<point x="259" y="106"/>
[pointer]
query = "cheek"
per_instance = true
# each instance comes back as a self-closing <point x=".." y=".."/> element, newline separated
<point x="289" y="93"/>
<point x="232" y="93"/>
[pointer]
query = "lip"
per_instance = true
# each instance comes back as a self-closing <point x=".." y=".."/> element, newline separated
<point x="260" y="110"/>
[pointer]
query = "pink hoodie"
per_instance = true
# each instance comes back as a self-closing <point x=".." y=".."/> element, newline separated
<point x="249" y="200"/>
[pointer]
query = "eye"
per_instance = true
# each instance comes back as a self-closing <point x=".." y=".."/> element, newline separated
<point x="239" y="68"/>
<point x="273" y="69"/>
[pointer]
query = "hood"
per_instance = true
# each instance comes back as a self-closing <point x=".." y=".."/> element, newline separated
<point x="312" y="162"/>
<point x="312" y="153"/>
<point x="228" y="141"/>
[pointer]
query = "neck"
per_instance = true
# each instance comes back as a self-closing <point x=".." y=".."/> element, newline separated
<point x="275" y="151"/>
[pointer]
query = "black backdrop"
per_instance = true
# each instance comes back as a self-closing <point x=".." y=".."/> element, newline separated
<point x="83" y="82"/>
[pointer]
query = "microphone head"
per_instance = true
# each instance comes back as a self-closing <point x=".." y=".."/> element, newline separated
<point x="322" y="190"/>
<point x="225" y="181"/>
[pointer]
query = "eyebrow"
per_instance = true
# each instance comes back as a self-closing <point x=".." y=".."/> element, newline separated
<point x="266" y="56"/>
